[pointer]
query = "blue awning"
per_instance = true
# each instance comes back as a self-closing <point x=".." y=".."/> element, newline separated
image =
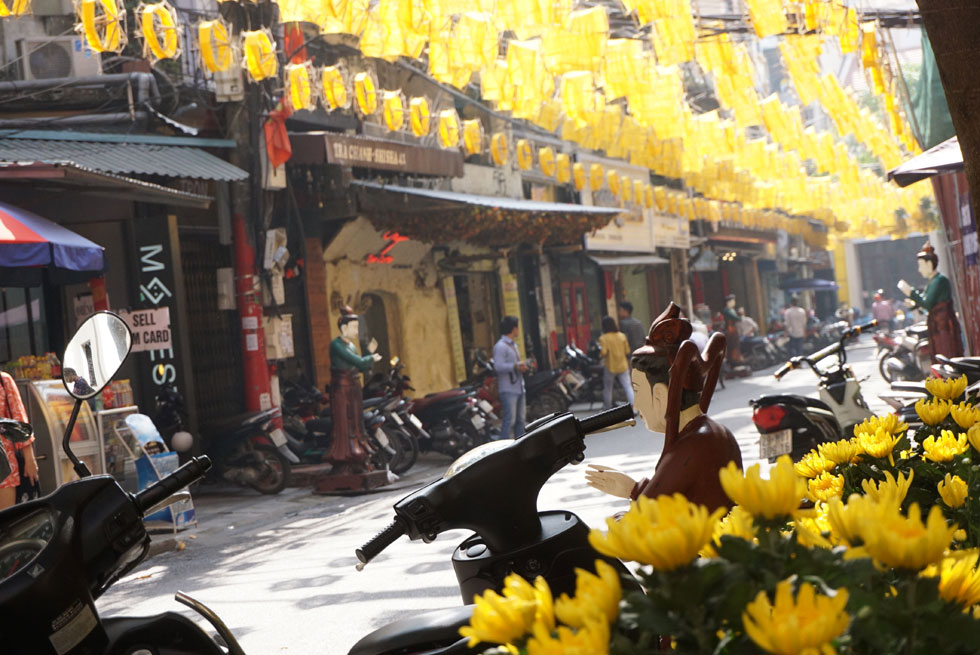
<point x="29" y="244"/>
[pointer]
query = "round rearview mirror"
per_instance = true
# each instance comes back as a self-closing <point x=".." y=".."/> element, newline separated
<point x="95" y="354"/>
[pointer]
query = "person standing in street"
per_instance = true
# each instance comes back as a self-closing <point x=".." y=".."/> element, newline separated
<point x="747" y="327"/>
<point x="631" y="327"/>
<point x="882" y="311"/>
<point x="614" y="350"/>
<point x="795" y="320"/>
<point x="509" y="367"/>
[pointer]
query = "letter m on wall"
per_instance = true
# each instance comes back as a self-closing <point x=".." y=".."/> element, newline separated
<point x="147" y="255"/>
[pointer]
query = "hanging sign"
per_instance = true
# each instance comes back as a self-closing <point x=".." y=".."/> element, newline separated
<point x="150" y="328"/>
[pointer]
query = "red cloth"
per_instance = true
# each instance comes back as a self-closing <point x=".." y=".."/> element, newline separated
<point x="11" y="406"/>
<point x="277" y="147"/>
<point x="347" y="409"/>
<point x="944" y="331"/>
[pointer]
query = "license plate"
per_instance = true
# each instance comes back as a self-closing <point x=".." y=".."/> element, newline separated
<point x="485" y="406"/>
<point x="775" y="444"/>
<point x="414" y="420"/>
<point x="382" y="438"/>
<point x="478" y="421"/>
<point x="278" y="437"/>
<point x="397" y="419"/>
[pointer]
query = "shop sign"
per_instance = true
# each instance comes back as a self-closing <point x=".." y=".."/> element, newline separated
<point x="364" y="152"/>
<point x="671" y="231"/>
<point x="382" y="257"/>
<point x="630" y="231"/>
<point x="150" y="328"/>
<point x="968" y="231"/>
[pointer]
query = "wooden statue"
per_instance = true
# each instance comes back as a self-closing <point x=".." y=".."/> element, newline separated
<point x="937" y="299"/>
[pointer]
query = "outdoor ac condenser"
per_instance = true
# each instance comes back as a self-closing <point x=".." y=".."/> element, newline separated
<point x="49" y="57"/>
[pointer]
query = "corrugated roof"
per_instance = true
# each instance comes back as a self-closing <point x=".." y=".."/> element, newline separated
<point x="122" y="158"/>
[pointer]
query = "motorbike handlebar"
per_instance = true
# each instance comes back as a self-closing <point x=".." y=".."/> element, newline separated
<point x="858" y="329"/>
<point x="784" y="369"/>
<point x="190" y="472"/>
<point x="382" y="540"/>
<point x="607" y="418"/>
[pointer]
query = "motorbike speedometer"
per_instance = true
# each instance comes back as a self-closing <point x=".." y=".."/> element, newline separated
<point x="474" y="455"/>
<point x="21" y="541"/>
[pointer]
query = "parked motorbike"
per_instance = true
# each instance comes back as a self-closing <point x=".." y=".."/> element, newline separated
<point x="759" y="352"/>
<point x="546" y="393"/>
<point x="246" y="449"/>
<point x="61" y="552"/>
<point x="584" y="375"/>
<point x="793" y="424"/>
<point x="905" y="354"/>
<point x="510" y="534"/>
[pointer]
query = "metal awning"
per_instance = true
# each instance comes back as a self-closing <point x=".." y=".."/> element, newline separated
<point x="130" y="157"/>
<point x="628" y="260"/>
<point x="95" y="183"/>
<point x="944" y="158"/>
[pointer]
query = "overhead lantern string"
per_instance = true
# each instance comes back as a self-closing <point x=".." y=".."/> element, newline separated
<point x="217" y="53"/>
<point x="334" y="87"/>
<point x="260" y="54"/>
<point x="103" y="23"/>
<point x="159" y="28"/>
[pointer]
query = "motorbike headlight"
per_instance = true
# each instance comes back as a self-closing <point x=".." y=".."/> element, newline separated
<point x="473" y="456"/>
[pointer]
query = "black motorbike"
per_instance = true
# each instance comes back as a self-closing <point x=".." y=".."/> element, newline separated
<point x="510" y="534"/>
<point x="586" y="375"/>
<point x="61" y="552"/>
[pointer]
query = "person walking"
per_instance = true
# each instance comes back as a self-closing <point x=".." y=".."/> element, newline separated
<point x="631" y="327"/>
<point x="509" y="367"/>
<point x="12" y="406"/>
<point x="883" y="311"/>
<point x="795" y="320"/>
<point x="747" y="327"/>
<point x="614" y="350"/>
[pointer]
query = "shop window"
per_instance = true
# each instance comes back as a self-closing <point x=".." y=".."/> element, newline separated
<point x="23" y="328"/>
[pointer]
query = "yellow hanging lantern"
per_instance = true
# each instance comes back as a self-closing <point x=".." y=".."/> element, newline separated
<point x="17" y="8"/>
<point x="499" y="149"/>
<point x="158" y="26"/>
<point x="299" y="86"/>
<point x="563" y="168"/>
<point x="612" y="179"/>
<point x="448" y="128"/>
<point x="638" y="191"/>
<point x="418" y="109"/>
<point x="525" y="156"/>
<point x="546" y="160"/>
<point x="578" y="175"/>
<point x="627" y="189"/>
<point x="216" y="52"/>
<point x="103" y="23"/>
<point x="333" y="88"/>
<point x="596" y="176"/>
<point x="393" y="110"/>
<point x="648" y="197"/>
<point x="366" y="92"/>
<point x="260" y="54"/>
<point x="473" y="136"/>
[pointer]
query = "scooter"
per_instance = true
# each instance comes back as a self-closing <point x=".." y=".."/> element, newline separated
<point x="793" y="424"/>
<point x="510" y="534"/>
<point x="61" y="552"/>
<point x="904" y="355"/>
<point x="246" y="449"/>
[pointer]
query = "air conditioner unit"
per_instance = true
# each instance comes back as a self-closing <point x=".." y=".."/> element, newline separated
<point x="47" y="57"/>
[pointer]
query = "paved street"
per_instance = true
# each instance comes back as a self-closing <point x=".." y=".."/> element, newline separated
<point x="280" y="570"/>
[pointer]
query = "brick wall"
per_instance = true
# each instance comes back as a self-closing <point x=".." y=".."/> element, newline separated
<point x="316" y="295"/>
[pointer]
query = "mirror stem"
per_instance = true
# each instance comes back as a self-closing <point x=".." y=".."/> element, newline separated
<point x="81" y="470"/>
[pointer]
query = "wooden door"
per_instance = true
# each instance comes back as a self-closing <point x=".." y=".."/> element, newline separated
<point x="575" y="309"/>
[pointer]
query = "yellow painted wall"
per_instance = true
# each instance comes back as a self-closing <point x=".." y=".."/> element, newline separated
<point x="418" y="328"/>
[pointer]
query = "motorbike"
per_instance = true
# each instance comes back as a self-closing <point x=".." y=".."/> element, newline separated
<point x="510" y="534"/>
<point x="583" y="377"/>
<point x="246" y="449"/>
<point x="793" y="424"/>
<point x="904" y="355"/>
<point x="758" y="352"/>
<point x="546" y="393"/>
<point x="61" y="552"/>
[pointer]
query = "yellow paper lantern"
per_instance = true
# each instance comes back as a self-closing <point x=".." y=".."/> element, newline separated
<point x="333" y="88"/>
<point x="596" y="177"/>
<point x="216" y="52"/>
<point x="579" y="177"/>
<point x="299" y="86"/>
<point x="626" y="188"/>
<point x="563" y="168"/>
<point x="418" y="109"/>
<point x="448" y="128"/>
<point x="260" y="54"/>
<point x="366" y="92"/>
<point x="499" y="149"/>
<point x="473" y="136"/>
<point x="546" y="160"/>
<point x="638" y="188"/>
<point x="612" y="179"/>
<point x="158" y="26"/>
<point x="393" y="110"/>
<point x="16" y="8"/>
<point x="103" y="23"/>
<point x="525" y="156"/>
<point x="648" y="198"/>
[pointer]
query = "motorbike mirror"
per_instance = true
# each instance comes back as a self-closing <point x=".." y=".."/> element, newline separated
<point x="94" y="354"/>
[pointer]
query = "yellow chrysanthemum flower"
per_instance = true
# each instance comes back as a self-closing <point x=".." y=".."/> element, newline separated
<point x="737" y="523"/>
<point x="847" y="520"/>
<point x="597" y="595"/>
<point x="810" y="530"/>
<point x="973" y="436"/>
<point x="946" y="389"/>
<point x="779" y="496"/>
<point x="966" y="416"/>
<point x="592" y="639"/>
<point x="879" y="444"/>
<point x="889" y="423"/>
<point x="953" y="490"/>
<point x="902" y="542"/>
<point x="959" y="579"/>
<point x="824" y="487"/>
<point x="813" y="464"/>
<point x="502" y="619"/>
<point x="945" y="448"/>
<point x="932" y="412"/>
<point x="889" y="491"/>
<point x="845" y="451"/>
<point x="665" y="532"/>
<point x="802" y="626"/>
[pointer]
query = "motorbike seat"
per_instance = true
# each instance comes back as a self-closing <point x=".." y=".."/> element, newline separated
<point x="439" y="396"/>
<point x="916" y="387"/>
<point x="238" y="421"/>
<point x="372" y="402"/>
<point x="918" y="331"/>
<point x="419" y="633"/>
<point x="965" y="364"/>
<point x="791" y="399"/>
